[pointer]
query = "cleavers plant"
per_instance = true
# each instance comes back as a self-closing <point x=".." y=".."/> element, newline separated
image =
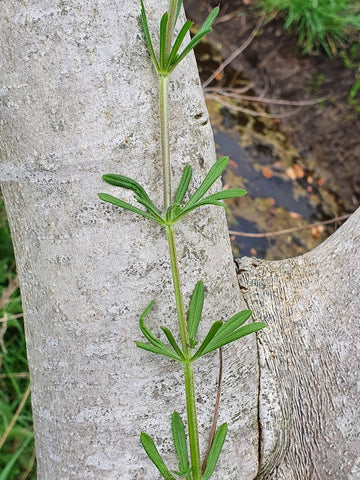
<point x="220" y="333"/>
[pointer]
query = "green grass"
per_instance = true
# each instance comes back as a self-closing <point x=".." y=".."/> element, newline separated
<point x="317" y="23"/>
<point x="17" y="461"/>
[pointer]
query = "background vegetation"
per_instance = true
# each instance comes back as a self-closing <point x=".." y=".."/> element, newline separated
<point x="317" y="23"/>
<point x="17" y="458"/>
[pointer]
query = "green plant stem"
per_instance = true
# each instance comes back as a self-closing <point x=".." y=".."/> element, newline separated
<point x="165" y="150"/>
<point x="188" y="366"/>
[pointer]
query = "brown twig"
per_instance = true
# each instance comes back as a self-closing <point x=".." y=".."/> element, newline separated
<point x="11" y="317"/>
<point x="15" y="417"/>
<point x="238" y="95"/>
<point x="253" y="113"/>
<point x="235" y="53"/>
<point x="216" y="412"/>
<point x="29" y="467"/>
<point x="288" y="230"/>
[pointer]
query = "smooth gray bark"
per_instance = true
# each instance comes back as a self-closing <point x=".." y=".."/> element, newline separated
<point x="309" y="358"/>
<point x="79" y="99"/>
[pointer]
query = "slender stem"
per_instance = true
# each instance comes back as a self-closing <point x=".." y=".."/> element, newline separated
<point x="165" y="150"/>
<point x="177" y="289"/>
<point x="188" y="367"/>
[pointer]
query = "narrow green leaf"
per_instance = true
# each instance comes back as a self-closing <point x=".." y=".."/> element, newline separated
<point x="126" y="182"/>
<point x="225" y="194"/>
<point x="172" y="342"/>
<point x="178" y="7"/>
<point x="235" y="321"/>
<point x="204" y="30"/>
<point x="195" y="311"/>
<point x="178" y="41"/>
<point x="120" y="203"/>
<point x="163" y="33"/>
<point x="164" y="350"/>
<point x="147" y="36"/>
<point x="215" y="450"/>
<point x="214" y="173"/>
<point x="212" y="332"/>
<point x="186" y="210"/>
<point x="5" y="474"/>
<point x="146" y="332"/>
<point x="179" y="437"/>
<point x="220" y="341"/>
<point x="183" y="185"/>
<point x="154" y="455"/>
<point x="151" y="208"/>
<point x="172" y="213"/>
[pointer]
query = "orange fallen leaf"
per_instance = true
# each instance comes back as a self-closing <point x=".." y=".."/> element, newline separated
<point x="290" y="173"/>
<point x="321" y="181"/>
<point x="298" y="170"/>
<point x="232" y="163"/>
<point x="266" y="172"/>
<point x="294" y="215"/>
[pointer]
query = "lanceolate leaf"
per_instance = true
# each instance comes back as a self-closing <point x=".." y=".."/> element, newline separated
<point x="204" y="30"/>
<point x="163" y="29"/>
<point x="212" y="332"/>
<point x="145" y="28"/>
<point x="215" y="450"/>
<point x="177" y="44"/>
<point x="126" y="182"/>
<point x="183" y="185"/>
<point x="227" y="333"/>
<point x="214" y="173"/>
<point x="172" y="342"/>
<point x="179" y="437"/>
<point x="154" y="455"/>
<point x="195" y="310"/>
<point x="120" y="203"/>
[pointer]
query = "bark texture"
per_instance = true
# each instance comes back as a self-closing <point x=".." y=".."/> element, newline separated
<point x="309" y="405"/>
<point x="79" y="99"/>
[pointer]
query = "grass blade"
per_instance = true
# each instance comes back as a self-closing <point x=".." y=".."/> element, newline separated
<point x="214" y="173"/>
<point x="154" y="455"/>
<point x="179" y="437"/>
<point x="11" y="463"/>
<point x="147" y="36"/>
<point x="195" y="310"/>
<point x="126" y="206"/>
<point x="183" y="185"/>
<point x="215" y="450"/>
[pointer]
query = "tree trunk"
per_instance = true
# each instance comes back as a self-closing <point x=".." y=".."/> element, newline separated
<point x="309" y="406"/>
<point x="79" y="99"/>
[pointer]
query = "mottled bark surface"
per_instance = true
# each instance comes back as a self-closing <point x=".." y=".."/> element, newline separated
<point x="309" y="359"/>
<point x="79" y="99"/>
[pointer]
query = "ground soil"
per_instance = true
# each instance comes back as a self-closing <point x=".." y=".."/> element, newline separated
<point x="326" y="135"/>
